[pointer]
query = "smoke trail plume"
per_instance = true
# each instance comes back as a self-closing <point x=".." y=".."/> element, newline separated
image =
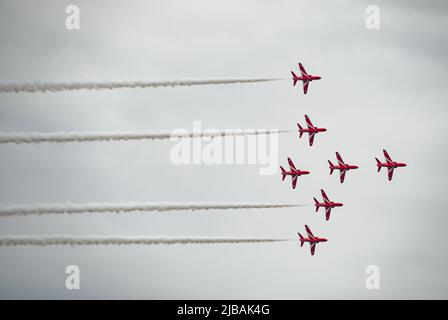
<point x="59" y="240"/>
<point x="66" y="86"/>
<point x="69" y="208"/>
<point x="60" y="137"/>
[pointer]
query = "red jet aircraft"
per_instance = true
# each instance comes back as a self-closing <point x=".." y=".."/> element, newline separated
<point x="311" y="239"/>
<point x="342" y="167"/>
<point x="294" y="173"/>
<point x="389" y="164"/>
<point x="312" y="130"/>
<point x="306" y="78"/>
<point x="327" y="204"/>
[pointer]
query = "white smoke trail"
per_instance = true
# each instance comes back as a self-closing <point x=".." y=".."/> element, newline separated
<point x="95" y="85"/>
<point x="59" y="240"/>
<point x="60" y="137"/>
<point x="23" y="210"/>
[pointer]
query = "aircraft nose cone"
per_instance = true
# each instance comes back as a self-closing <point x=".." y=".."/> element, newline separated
<point x="324" y="240"/>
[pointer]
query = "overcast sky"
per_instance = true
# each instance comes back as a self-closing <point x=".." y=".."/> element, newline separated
<point x="380" y="89"/>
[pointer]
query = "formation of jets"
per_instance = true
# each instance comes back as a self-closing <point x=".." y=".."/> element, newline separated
<point x="341" y="166"/>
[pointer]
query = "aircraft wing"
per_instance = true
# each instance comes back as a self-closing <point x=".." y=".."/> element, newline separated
<point x="302" y="69"/>
<point x="327" y="213"/>
<point x="305" y="86"/>
<point x="294" y="181"/>
<point x="291" y="164"/>
<point x="308" y="122"/>
<point x="390" y="173"/>
<point x="342" y="175"/>
<point x="308" y="231"/>
<point x="312" y="134"/>
<point x="313" y="248"/>
<point x="338" y="156"/>
<point x="386" y="155"/>
<point x="324" y="195"/>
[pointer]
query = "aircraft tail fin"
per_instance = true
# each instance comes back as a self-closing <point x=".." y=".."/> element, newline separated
<point x="378" y="164"/>
<point x="294" y="78"/>
<point x="331" y="166"/>
<point x="283" y="173"/>
<point x="301" y="239"/>
<point x="316" y="203"/>
<point x="300" y="130"/>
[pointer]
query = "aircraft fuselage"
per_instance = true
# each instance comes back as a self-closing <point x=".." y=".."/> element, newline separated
<point x="392" y="164"/>
<point x="329" y="204"/>
<point x="315" y="240"/>
<point x="312" y="130"/>
<point x="309" y="78"/>
<point x="346" y="167"/>
<point x="296" y="173"/>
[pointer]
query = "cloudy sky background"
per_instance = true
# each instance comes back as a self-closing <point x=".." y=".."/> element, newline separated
<point x="380" y="89"/>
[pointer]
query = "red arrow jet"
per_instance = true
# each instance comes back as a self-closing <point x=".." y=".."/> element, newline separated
<point x="311" y="239"/>
<point x="327" y="204"/>
<point x="294" y="173"/>
<point x="342" y="167"/>
<point x="312" y="130"/>
<point x="389" y="164"/>
<point x="306" y="78"/>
